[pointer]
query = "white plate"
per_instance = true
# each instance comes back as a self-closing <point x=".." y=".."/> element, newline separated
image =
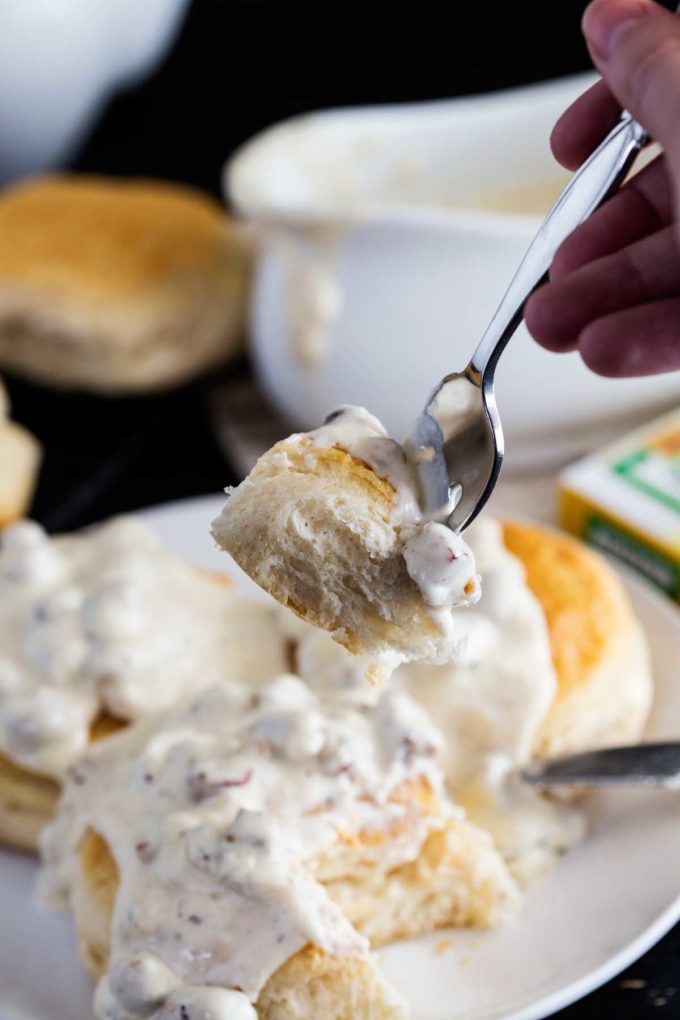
<point x="606" y="904"/>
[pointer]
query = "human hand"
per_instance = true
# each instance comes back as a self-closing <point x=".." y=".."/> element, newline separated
<point x="614" y="290"/>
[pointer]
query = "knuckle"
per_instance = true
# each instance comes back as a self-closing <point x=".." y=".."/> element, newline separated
<point x="599" y="350"/>
<point x="634" y="271"/>
<point x="648" y="73"/>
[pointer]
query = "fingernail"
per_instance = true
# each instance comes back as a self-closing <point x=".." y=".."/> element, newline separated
<point x="605" y="22"/>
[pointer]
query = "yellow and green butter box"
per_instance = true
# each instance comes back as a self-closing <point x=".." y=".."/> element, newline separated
<point x="625" y="501"/>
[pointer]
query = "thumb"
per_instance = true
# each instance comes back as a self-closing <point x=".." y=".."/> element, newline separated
<point x="635" y="44"/>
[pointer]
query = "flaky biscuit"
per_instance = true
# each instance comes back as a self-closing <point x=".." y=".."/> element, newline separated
<point x="28" y="800"/>
<point x="315" y="528"/>
<point x="117" y="285"/>
<point x="457" y="879"/>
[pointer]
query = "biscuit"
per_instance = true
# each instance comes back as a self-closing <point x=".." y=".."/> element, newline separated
<point x="28" y="800"/>
<point x="600" y="654"/>
<point x="311" y="984"/>
<point x="277" y="835"/>
<point x="457" y="880"/>
<point x="315" y="527"/>
<point x="117" y="285"/>
<point x="20" y="456"/>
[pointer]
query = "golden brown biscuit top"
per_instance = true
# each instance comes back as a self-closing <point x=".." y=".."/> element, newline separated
<point x="105" y="237"/>
<point x="333" y="463"/>
<point x="583" y="601"/>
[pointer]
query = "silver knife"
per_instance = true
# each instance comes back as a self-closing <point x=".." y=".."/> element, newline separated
<point x="637" y="765"/>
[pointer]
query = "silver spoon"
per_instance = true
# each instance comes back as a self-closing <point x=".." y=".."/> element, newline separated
<point x="457" y="442"/>
<point x="641" y="765"/>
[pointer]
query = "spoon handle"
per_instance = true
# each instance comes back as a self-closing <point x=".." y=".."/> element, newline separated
<point x="641" y="764"/>
<point x="597" y="178"/>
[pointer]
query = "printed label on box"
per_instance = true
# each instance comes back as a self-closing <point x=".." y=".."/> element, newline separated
<point x="655" y="470"/>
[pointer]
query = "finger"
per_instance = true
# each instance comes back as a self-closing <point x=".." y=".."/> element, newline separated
<point x="649" y="270"/>
<point x="641" y="207"/>
<point x="636" y="46"/>
<point x="637" y="341"/>
<point x="582" y="127"/>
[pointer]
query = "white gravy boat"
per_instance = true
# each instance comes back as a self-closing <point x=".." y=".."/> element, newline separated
<point x="388" y="235"/>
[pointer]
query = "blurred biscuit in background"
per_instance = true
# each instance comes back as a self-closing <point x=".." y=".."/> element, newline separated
<point x="19" y="462"/>
<point x="116" y="285"/>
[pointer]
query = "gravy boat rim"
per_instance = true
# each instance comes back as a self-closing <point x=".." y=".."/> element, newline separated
<point x="276" y="211"/>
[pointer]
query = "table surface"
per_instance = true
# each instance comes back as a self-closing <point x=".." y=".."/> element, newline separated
<point x="109" y="456"/>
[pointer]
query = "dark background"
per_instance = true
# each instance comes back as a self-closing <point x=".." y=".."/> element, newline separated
<point x="237" y="66"/>
<point x="240" y="65"/>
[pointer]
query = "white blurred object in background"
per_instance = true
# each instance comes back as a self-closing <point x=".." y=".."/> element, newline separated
<point x="61" y="60"/>
<point x="389" y="235"/>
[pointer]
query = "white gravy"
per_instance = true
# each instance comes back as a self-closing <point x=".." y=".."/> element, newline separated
<point x="216" y="814"/>
<point x="110" y="621"/>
